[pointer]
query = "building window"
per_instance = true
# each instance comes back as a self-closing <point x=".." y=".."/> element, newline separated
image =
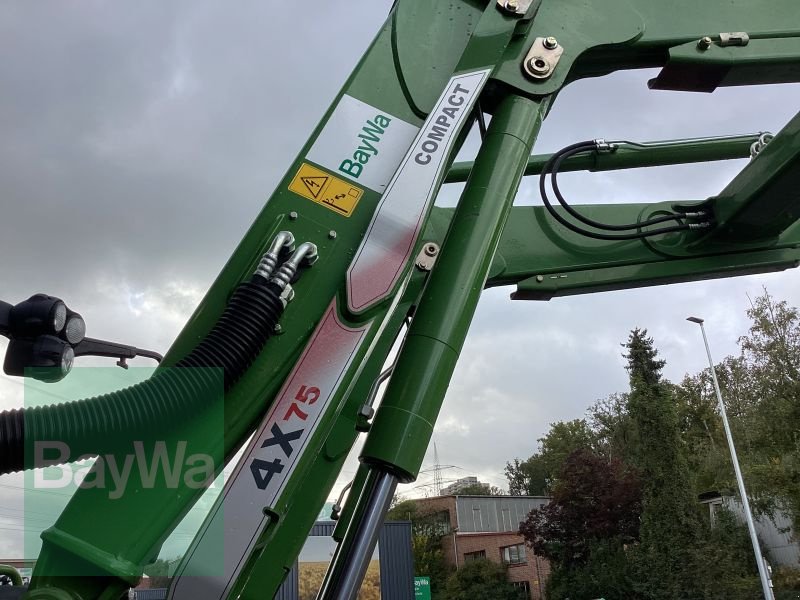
<point x="523" y="588"/>
<point x="479" y="555"/>
<point x="513" y="555"/>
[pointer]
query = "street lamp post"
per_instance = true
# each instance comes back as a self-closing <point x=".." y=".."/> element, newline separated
<point x="762" y="569"/>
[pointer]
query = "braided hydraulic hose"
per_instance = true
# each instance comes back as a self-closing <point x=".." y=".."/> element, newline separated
<point x="91" y="426"/>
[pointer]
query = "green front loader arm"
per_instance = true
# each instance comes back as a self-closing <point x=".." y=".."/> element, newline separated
<point x="362" y="190"/>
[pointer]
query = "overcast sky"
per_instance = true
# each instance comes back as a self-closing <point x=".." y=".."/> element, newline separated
<point x="139" y="140"/>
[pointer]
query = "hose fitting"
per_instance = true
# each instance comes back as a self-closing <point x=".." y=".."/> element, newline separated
<point x="305" y="256"/>
<point x="281" y="245"/>
<point x="98" y="425"/>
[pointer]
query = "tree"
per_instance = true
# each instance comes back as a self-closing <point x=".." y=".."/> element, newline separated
<point x="611" y="426"/>
<point x="427" y="530"/>
<point x="772" y="352"/>
<point x="761" y="390"/>
<point x="480" y="580"/>
<point x="726" y="555"/>
<point x="606" y="576"/>
<point x="536" y="475"/>
<point x="401" y="510"/>
<point x="527" y="477"/>
<point x="158" y="572"/>
<point x="773" y="344"/>
<point x="670" y="522"/>
<point x="595" y="500"/>
<point x="672" y="437"/>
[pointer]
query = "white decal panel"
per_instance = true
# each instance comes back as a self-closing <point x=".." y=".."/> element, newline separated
<point x="363" y="143"/>
<point x="396" y="224"/>
<point x="237" y="519"/>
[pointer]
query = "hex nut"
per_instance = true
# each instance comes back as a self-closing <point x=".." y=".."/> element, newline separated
<point x="550" y="43"/>
<point x="705" y="43"/>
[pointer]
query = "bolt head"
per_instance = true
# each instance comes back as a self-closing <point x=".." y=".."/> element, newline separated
<point x="332" y="234"/>
<point x="705" y="43"/>
<point x="538" y="65"/>
<point x="431" y="250"/>
<point x="539" y="278"/>
<point x="550" y="43"/>
<point x="512" y="5"/>
<point x="293" y="215"/>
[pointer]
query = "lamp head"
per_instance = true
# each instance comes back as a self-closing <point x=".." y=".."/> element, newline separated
<point x="697" y="320"/>
<point x="38" y="315"/>
<point x="46" y="358"/>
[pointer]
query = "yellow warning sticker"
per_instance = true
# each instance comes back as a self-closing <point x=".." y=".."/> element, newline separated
<point x="322" y="188"/>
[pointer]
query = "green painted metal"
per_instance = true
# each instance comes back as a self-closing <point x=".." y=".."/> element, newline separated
<point x="486" y="43"/>
<point x="312" y="484"/>
<point x="695" y="68"/>
<point x="764" y="199"/>
<point x="534" y="245"/>
<point x="91" y="537"/>
<point x="11" y="573"/>
<point x="630" y="156"/>
<point x="599" y="38"/>
<point x="402" y="74"/>
<point x="419" y="34"/>
<point x="545" y="287"/>
<point x="404" y="422"/>
<point x="579" y="26"/>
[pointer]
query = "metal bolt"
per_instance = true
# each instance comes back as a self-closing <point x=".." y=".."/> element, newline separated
<point x="332" y="234"/>
<point x="539" y="278"/>
<point x="431" y="250"/>
<point x="512" y="5"/>
<point x="705" y="43"/>
<point x="538" y="65"/>
<point x="293" y="215"/>
<point x="550" y="43"/>
<point x="278" y="329"/>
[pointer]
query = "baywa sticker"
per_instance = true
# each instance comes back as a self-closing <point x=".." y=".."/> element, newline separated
<point x="362" y="143"/>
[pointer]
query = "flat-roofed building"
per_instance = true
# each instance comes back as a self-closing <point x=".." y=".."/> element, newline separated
<point x="487" y="527"/>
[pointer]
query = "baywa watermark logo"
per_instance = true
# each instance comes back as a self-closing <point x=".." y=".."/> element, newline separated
<point x="149" y="465"/>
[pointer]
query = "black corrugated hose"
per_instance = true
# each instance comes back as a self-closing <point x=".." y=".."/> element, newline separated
<point x="90" y="426"/>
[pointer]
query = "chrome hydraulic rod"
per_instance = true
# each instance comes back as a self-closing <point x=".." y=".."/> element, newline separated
<point x="353" y="555"/>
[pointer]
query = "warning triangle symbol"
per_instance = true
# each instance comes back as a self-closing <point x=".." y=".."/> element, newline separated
<point x="314" y="184"/>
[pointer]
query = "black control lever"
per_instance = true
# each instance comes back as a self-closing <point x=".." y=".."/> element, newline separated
<point x="122" y="352"/>
<point x="5" y="316"/>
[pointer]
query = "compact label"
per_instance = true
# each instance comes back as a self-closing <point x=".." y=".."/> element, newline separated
<point x="396" y="223"/>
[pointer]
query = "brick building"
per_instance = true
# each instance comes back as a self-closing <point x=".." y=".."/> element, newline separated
<point x="487" y="527"/>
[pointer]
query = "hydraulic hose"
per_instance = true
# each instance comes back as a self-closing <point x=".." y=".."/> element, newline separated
<point x="555" y="166"/>
<point x="555" y="162"/>
<point x="90" y="426"/>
